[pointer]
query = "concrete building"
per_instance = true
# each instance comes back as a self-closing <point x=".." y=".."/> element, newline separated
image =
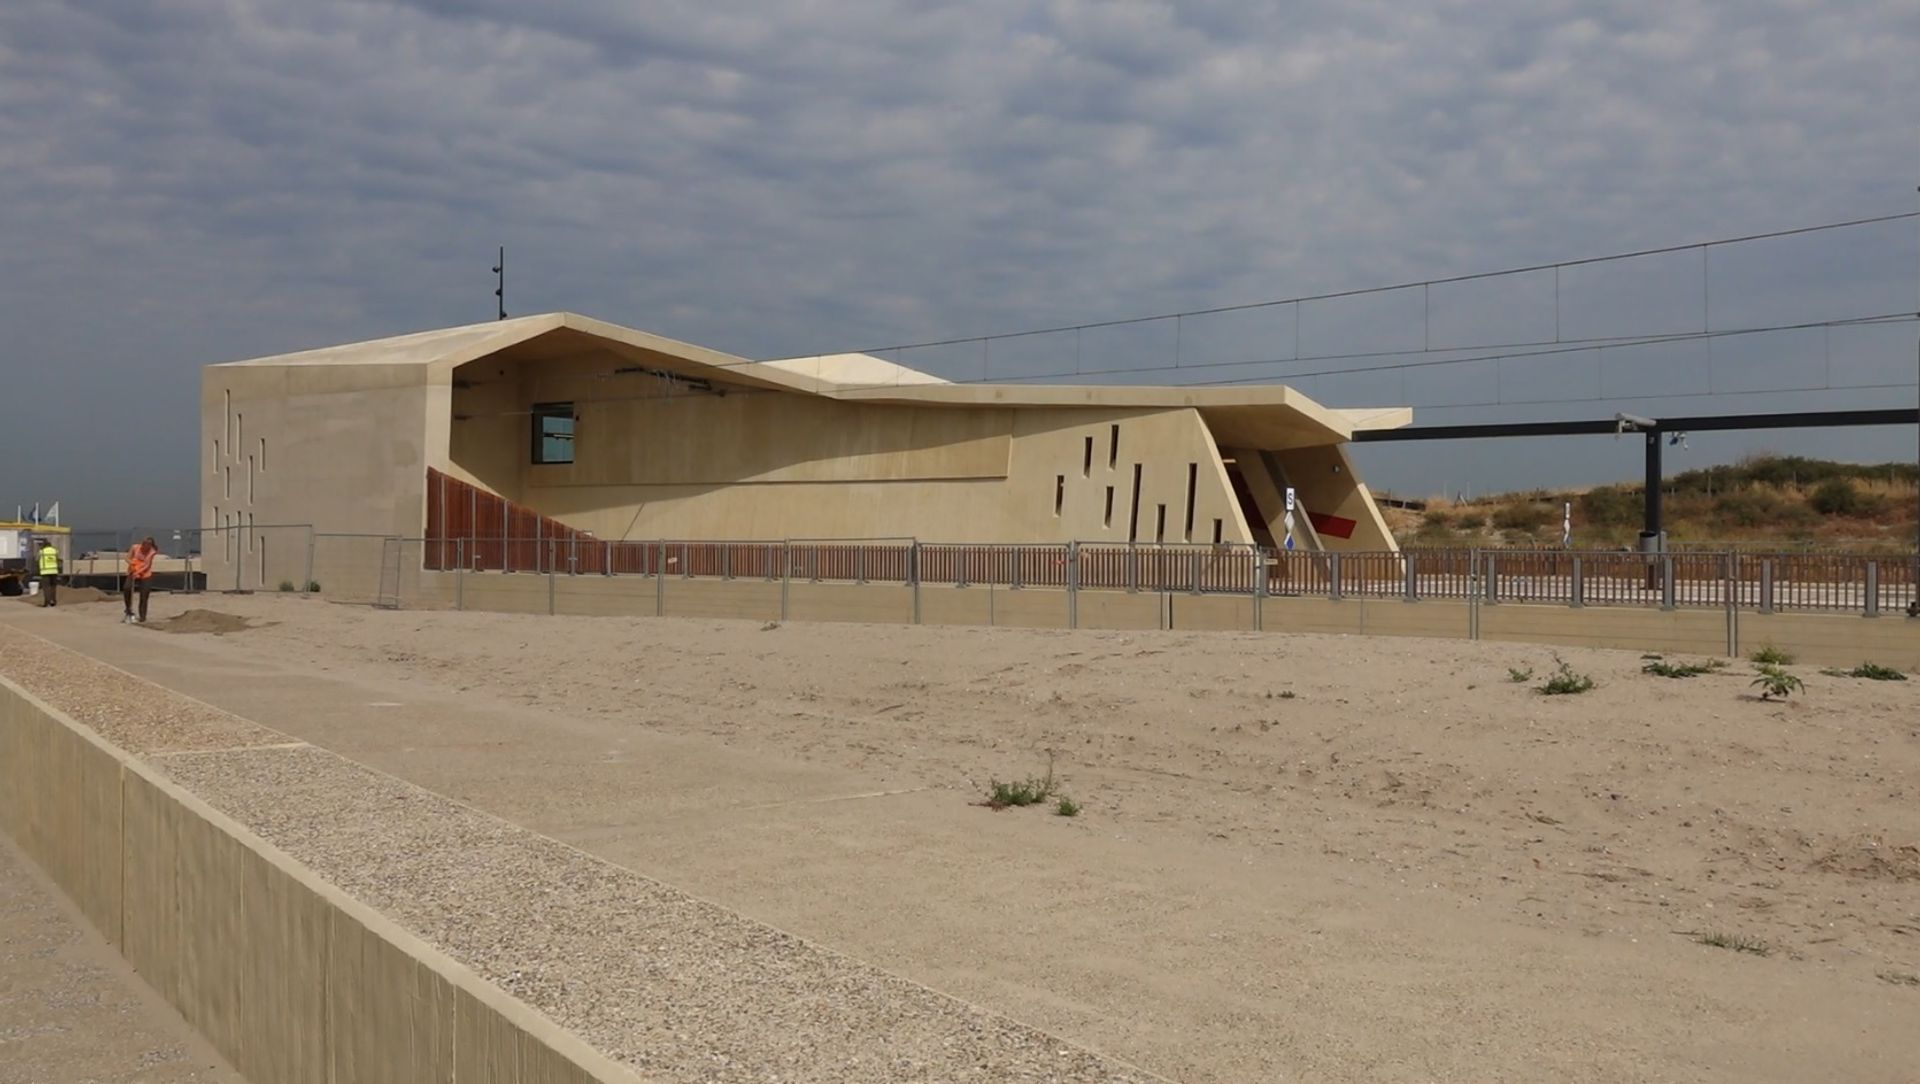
<point x="631" y="436"/>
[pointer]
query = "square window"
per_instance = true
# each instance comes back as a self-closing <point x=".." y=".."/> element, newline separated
<point x="553" y="432"/>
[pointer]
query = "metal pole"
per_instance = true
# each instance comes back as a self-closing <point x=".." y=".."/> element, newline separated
<point x="1073" y="585"/>
<point x="1651" y="529"/>
<point x="308" y="585"/>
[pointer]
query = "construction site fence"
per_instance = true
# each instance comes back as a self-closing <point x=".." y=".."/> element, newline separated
<point x="388" y="570"/>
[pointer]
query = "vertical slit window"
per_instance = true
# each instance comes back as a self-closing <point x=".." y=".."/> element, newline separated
<point x="239" y="432"/>
<point x="216" y="455"/>
<point x="1059" y="493"/>
<point x="1193" y="476"/>
<point x="1086" y="459"/>
<point x="226" y="490"/>
<point x="1160" y="523"/>
<point x="1216" y="532"/>
<point x="1113" y="447"/>
<point x="226" y="416"/>
<point x="1133" y="510"/>
<point x="1107" y="519"/>
<point x="249" y="479"/>
<point x="263" y="455"/>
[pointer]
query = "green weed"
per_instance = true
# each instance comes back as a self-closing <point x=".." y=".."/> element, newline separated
<point x="1066" y="807"/>
<point x="1734" y="942"/>
<point x="1771" y="656"/>
<point x="1519" y="676"/>
<point x="1565" y="682"/>
<point x="1775" y="683"/>
<point x="1682" y="669"/>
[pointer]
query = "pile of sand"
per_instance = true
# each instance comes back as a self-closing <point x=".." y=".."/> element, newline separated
<point x="72" y="596"/>
<point x="212" y="621"/>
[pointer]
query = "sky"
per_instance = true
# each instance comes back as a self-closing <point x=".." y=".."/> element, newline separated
<point x="198" y="181"/>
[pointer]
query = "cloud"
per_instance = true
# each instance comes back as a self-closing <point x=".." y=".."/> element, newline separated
<point x="206" y="179"/>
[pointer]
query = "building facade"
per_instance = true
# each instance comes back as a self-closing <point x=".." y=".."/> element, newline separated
<point x="627" y="436"/>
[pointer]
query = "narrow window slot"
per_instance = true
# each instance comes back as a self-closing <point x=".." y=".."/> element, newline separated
<point x="1059" y="492"/>
<point x="1133" y="513"/>
<point x="1107" y="519"/>
<point x="1216" y="532"/>
<point x="1160" y="524"/>
<point x="1113" y="447"/>
<point x="1086" y="459"/>
<point x="1193" y="475"/>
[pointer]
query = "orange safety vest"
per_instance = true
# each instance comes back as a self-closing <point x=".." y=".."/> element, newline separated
<point x="140" y="563"/>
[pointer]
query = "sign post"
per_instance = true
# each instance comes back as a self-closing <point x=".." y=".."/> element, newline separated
<point x="1287" y="520"/>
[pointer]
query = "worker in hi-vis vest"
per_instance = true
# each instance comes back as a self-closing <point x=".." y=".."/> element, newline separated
<point x="49" y="573"/>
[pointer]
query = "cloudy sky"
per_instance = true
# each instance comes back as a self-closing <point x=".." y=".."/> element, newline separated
<point x="203" y="180"/>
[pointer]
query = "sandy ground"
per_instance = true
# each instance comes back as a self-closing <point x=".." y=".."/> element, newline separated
<point x="71" y="1010"/>
<point x="1318" y="858"/>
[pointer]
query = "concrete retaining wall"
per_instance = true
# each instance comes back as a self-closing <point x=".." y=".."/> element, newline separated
<point x="289" y="978"/>
<point x="1814" y="638"/>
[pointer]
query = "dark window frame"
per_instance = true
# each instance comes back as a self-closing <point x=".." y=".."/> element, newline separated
<point x="539" y="434"/>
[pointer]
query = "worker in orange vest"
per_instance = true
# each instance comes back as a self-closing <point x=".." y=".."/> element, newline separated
<point x="139" y="578"/>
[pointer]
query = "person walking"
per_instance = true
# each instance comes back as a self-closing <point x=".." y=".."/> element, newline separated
<point x="49" y="573"/>
<point x="139" y="578"/>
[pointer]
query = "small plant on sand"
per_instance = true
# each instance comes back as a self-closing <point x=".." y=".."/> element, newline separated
<point x="1519" y="676"/>
<point x="286" y="587"/>
<point x="1771" y="656"/>
<point x="1066" y="807"/>
<point x="1871" y="671"/>
<point x="1565" y="682"/>
<point x="1775" y="683"/>
<point x="1013" y="795"/>
<point x="313" y="587"/>
<point x="1734" y="942"/>
<point x="1682" y="669"/>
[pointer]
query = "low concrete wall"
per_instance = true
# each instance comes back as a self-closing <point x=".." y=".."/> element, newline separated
<point x="1835" y="639"/>
<point x="288" y="977"/>
<point x="1817" y="639"/>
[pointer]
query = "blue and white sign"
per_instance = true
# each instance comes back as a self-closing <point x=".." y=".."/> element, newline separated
<point x="1287" y="520"/>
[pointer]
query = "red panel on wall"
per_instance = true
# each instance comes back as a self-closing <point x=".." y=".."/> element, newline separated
<point x="1336" y="526"/>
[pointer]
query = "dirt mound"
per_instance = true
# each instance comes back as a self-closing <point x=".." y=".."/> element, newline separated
<point x="73" y="596"/>
<point x="1873" y="859"/>
<point x="212" y="621"/>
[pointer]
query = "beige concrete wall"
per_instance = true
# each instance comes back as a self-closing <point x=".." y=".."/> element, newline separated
<point x="751" y="600"/>
<point x="1679" y="631"/>
<point x="1835" y="639"/>
<point x="886" y="604"/>
<point x="345" y="447"/>
<point x="1218" y="612"/>
<point x="1816" y="639"/>
<point x="947" y="605"/>
<point x="1324" y="481"/>
<point x="1121" y="610"/>
<point x="290" y="979"/>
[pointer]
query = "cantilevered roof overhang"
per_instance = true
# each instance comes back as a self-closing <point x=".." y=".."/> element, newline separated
<point x="1267" y="416"/>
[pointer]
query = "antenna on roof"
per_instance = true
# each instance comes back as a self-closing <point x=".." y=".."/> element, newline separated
<point x="500" y="284"/>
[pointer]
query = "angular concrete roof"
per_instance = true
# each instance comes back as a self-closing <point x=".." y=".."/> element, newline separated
<point x="1254" y="415"/>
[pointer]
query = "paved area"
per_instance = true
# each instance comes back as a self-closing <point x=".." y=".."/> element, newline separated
<point x="71" y="1011"/>
<point x="1396" y="877"/>
<point x="681" y="989"/>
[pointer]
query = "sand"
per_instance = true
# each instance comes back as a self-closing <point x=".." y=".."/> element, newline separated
<point x="1304" y="857"/>
<point x="71" y="596"/>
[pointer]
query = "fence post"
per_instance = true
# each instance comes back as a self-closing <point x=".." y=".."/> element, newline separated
<point x="606" y="561"/>
<point x="573" y="556"/>
<point x="1133" y="568"/>
<point x="1577" y="597"/>
<point x="786" y="577"/>
<point x="726" y="561"/>
<point x="308" y="585"/>
<point x="1194" y="572"/>
<point x="1333" y="576"/>
<point x="1073" y="585"/>
<point x="660" y="578"/>
<point x="1766" y="585"/>
<point x="1259" y="588"/>
<point x="1411" y="570"/>
<point x="1873" y="588"/>
<point x="460" y="575"/>
<point x="913" y="576"/>
<point x="1666" y="581"/>
<point x="859" y="564"/>
<point x="1491" y="574"/>
<point x="550" y="576"/>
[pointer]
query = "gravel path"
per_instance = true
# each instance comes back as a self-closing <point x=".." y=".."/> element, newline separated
<point x="678" y="988"/>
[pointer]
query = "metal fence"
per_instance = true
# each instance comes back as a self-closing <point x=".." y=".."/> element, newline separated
<point x="387" y="570"/>
<point x="1678" y="580"/>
